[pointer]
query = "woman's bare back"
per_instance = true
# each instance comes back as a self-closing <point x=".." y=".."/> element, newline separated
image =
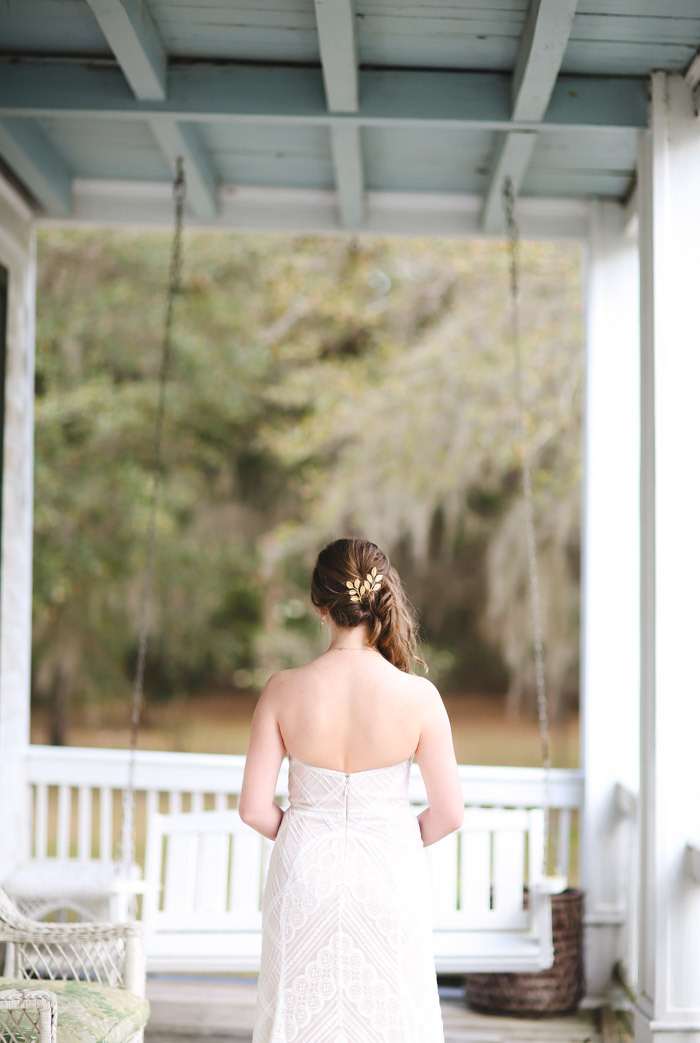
<point x="357" y="707"/>
<point x="350" y="710"/>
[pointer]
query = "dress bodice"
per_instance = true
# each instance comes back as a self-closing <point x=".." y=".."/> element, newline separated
<point x="356" y="793"/>
<point x="347" y="944"/>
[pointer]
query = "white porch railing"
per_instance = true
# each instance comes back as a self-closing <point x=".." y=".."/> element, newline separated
<point x="74" y="798"/>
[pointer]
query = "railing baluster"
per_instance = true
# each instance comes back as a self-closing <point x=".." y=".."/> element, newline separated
<point x="106" y="839"/>
<point x="564" y="840"/>
<point x="63" y="822"/>
<point x="41" y="821"/>
<point x="152" y="803"/>
<point x="197" y="803"/>
<point x="84" y="822"/>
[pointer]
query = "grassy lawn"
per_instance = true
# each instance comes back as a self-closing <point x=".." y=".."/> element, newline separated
<point x="220" y="723"/>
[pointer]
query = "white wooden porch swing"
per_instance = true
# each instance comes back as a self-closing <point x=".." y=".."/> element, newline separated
<point x="205" y="870"/>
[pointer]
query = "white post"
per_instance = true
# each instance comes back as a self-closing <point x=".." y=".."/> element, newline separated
<point x="668" y="1005"/>
<point x="17" y="256"/>
<point x="609" y="583"/>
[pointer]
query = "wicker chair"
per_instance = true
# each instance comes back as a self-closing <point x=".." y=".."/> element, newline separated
<point x="70" y="983"/>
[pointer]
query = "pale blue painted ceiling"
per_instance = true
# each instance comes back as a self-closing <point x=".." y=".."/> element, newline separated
<point x="627" y="37"/>
<point x="278" y="143"/>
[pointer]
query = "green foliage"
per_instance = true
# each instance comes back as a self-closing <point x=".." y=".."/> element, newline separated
<point x="318" y="387"/>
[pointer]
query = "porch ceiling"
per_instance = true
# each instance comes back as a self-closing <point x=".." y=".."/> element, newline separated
<point x="322" y="114"/>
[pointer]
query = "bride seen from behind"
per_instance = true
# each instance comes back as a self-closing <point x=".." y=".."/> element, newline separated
<point x="356" y="706"/>
<point x="347" y="920"/>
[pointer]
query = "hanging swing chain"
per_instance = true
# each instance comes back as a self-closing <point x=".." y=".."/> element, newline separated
<point x="526" y="468"/>
<point x="127" y="853"/>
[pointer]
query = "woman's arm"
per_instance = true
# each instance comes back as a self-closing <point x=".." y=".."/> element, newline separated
<point x="266" y="750"/>
<point x="436" y="759"/>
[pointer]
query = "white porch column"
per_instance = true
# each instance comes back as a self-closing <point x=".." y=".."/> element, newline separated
<point x="610" y="584"/>
<point x="669" y="214"/>
<point x="17" y="257"/>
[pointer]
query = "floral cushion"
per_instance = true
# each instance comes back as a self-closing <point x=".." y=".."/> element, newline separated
<point x="90" y="1013"/>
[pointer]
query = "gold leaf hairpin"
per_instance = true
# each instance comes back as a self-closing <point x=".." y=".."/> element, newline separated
<point x="359" y="587"/>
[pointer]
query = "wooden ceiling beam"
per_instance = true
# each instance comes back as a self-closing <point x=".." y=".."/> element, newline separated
<point x="177" y="139"/>
<point x="260" y="94"/>
<point x="511" y="159"/>
<point x="349" y="175"/>
<point x="541" y="52"/>
<point x="692" y="78"/>
<point x="136" y="44"/>
<point x="335" y="21"/>
<point x="33" y="158"/>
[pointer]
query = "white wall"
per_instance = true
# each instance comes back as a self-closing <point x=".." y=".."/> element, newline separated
<point x="17" y="254"/>
<point x="668" y="972"/>
<point x="609" y="586"/>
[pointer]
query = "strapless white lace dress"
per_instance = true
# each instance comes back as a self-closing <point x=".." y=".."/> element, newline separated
<point x="347" y="917"/>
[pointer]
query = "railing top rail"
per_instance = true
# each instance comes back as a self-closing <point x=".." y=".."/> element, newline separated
<point x="210" y="772"/>
<point x="77" y="754"/>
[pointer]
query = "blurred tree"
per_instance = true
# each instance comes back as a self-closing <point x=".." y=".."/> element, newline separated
<point x="414" y="442"/>
<point x="318" y="387"/>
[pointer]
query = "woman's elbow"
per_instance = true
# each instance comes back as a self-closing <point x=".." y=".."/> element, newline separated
<point x="247" y="813"/>
<point x="454" y="817"/>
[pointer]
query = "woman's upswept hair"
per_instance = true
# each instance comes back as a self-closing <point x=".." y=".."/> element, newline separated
<point x="393" y="628"/>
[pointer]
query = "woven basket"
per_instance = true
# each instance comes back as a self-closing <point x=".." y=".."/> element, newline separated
<point x="541" y="994"/>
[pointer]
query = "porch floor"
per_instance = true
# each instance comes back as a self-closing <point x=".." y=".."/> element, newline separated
<point x="220" y="1011"/>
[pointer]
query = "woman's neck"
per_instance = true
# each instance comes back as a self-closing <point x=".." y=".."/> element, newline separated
<point x="349" y="638"/>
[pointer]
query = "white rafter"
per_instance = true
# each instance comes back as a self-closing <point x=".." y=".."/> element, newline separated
<point x="349" y="175"/>
<point x="36" y="162"/>
<point x="183" y="139"/>
<point x="692" y="78"/>
<point x="137" y="46"/>
<point x="335" y="20"/>
<point x="134" y="40"/>
<point x="542" y="46"/>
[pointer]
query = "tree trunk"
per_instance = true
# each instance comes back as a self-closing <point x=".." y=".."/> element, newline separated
<point x="58" y="709"/>
<point x="514" y="698"/>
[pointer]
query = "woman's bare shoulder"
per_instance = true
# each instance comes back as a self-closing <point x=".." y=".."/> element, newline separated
<point x="280" y="684"/>
<point x="426" y="696"/>
<point x="293" y="679"/>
